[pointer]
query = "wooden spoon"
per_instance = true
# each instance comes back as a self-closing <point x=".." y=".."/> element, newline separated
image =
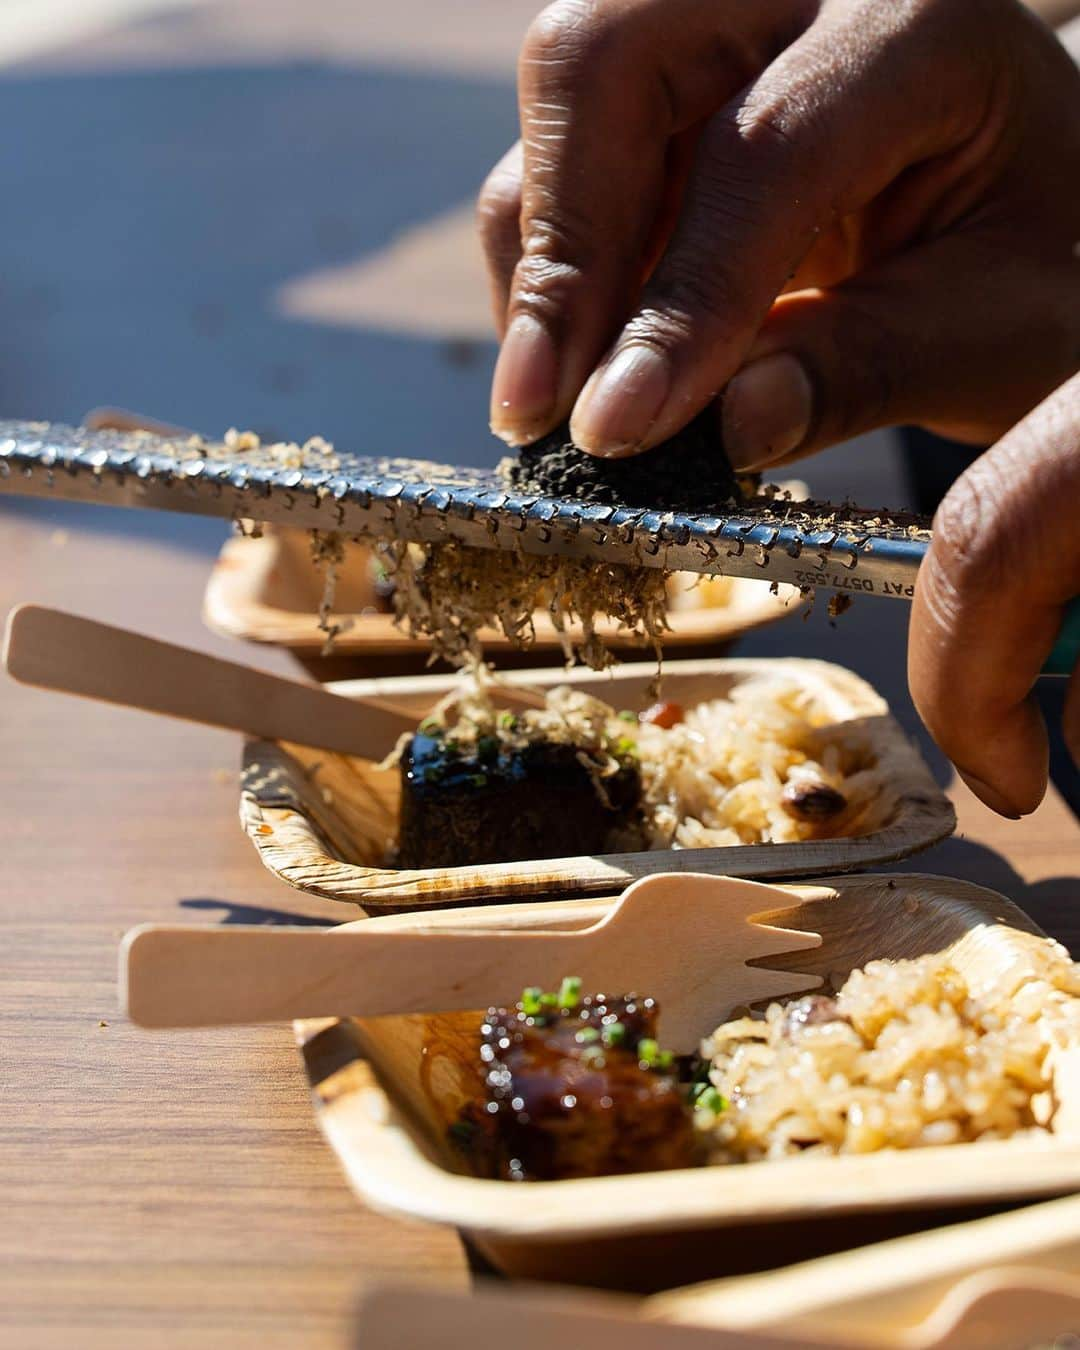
<point x="685" y="938"/>
<point x="54" y="650"/>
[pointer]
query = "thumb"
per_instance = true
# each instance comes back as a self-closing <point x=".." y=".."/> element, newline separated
<point x="924" y="338"/>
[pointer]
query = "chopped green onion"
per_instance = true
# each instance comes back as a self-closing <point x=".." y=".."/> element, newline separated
<point x="587" y="1035"/>
<point x="627" y="716"/>
<point x="647" y="1051"/>
<point x="614" y="1034"/>
<point x="430" y="726"/>
<point x="652" y="1057"/>
<point x="625" y="747"/>
<point x="593" y="1056"/>
<point x="570" y="992"/>
<point x="507" y="721"/>
<point x="531" y="1000"/>
<point x="549" y="1000"/>
<point x="711" y="1100"/>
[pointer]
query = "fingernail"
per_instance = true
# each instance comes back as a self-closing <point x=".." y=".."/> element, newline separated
<point x="621" y="402"/>
<point x="766" y="411"/>
<point x="523" y="387"/>
<point x="990" y="796"/>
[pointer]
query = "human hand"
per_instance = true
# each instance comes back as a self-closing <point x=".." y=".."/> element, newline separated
<point x="866" y="213"/>
<point x="989" y="599"/>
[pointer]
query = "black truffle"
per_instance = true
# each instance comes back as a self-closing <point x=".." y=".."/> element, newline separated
<point x="689" y="473"/>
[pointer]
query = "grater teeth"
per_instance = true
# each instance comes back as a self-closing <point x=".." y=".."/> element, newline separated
<point x="809" y="545"/>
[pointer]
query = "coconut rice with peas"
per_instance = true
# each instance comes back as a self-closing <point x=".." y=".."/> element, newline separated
<point x="763" y="764"/>
<point x="909" y="1054"/>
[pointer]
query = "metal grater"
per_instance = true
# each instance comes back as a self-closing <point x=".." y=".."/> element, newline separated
<point x="803" y="543"/>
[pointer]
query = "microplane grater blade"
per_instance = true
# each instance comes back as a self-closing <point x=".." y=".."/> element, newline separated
<point x="809" y="545"/>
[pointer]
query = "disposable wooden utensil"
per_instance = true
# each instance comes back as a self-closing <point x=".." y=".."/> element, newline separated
<point x="443" y="1319"/>
<point x="1005" y="1281"/>
<point x="54" y="650"/>
<point x="662" y="937"/>
<point x="998" y="1310"/>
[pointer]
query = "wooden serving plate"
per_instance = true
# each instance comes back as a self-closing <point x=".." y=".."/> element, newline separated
<point x="268" y="590"/>
<point x="387" y="1089"/>
<point x="914" y="1292"/>
<point x="323" y="822"/>
<point x="993" y="1284"/>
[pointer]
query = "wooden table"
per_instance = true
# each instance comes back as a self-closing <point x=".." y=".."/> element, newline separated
<point x="171" y="1190"/>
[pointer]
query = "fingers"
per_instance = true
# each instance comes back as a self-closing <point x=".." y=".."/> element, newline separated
<point x="891" y="347"/>
<point x="603" y="90"/>
<point x="498" y="221"/>
<point x="1004" y="561"/>
<point x="822" y="131"/>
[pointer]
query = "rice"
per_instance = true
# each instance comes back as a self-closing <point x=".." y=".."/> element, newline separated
<point x="725" y="775"/>
<point x="909" y="1054"/>
<point x="736" y="770"/>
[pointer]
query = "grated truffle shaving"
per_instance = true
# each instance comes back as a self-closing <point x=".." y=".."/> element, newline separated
<point x="448" y="591"/>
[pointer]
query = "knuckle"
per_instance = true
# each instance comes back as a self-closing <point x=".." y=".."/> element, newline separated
<point x="786" y="118"/>
<point x="772" y="128"/>
<point x="562" y="233"/>
<point x="666" y="328"/>
<point x="691" y="299"/>
<point x="563" y="35"/>
<point x="970" y="547"/>
<point x="546" y="287"/>
<point x="695" y="297"/>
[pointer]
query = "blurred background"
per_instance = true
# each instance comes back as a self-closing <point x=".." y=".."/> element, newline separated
<point x="258" y="213"/>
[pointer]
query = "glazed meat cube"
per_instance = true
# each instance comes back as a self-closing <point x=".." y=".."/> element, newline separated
<point x="576" y="1087"/>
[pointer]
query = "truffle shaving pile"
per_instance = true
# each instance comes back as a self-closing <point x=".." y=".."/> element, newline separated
<point x="565" y="717"/>
<point x="448" y="591"/>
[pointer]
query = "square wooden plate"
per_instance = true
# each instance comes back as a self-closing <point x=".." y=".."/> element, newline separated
<point x="387" y="1089"/>
<point x="324" y="822"/>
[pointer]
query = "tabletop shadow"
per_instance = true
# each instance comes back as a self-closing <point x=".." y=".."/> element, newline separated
<point x="255" y="914"/>
<point x="1054" y="902"/>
